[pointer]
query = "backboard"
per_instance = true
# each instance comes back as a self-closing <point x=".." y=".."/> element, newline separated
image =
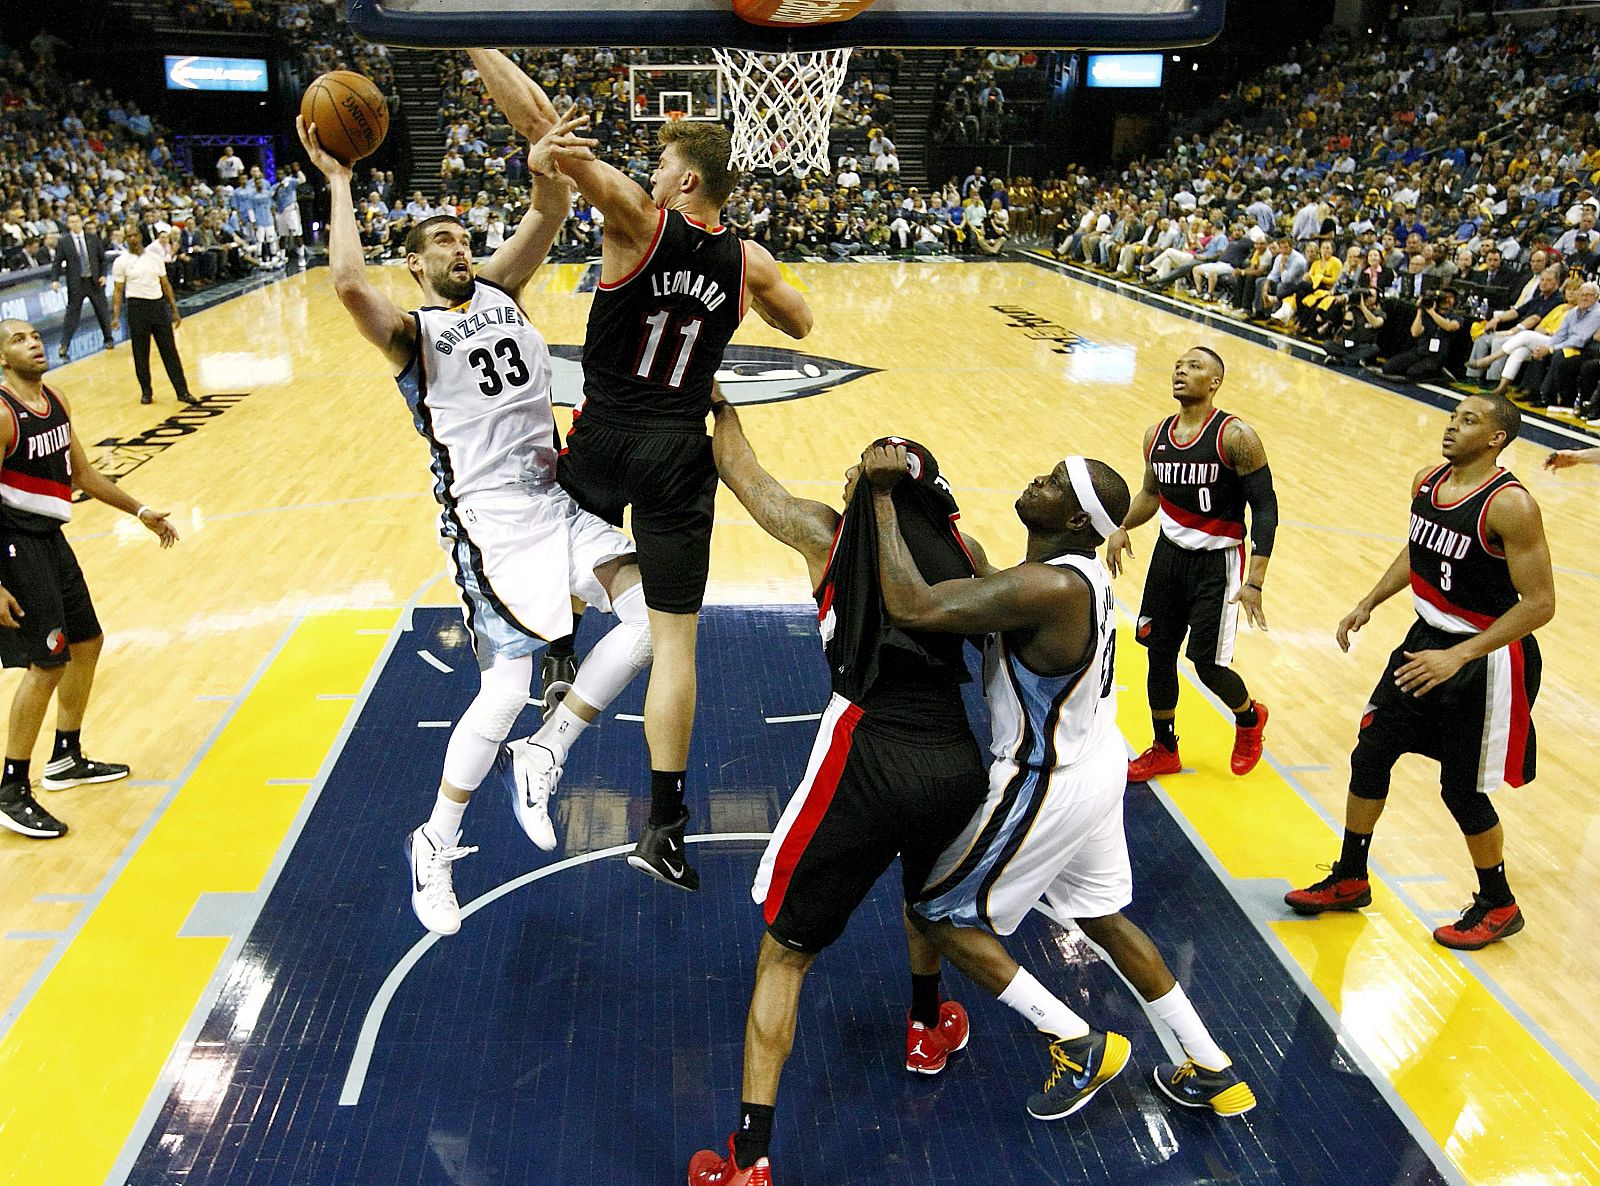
<point x="991" y="24"/>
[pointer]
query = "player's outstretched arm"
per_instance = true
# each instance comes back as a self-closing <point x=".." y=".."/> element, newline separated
<point x="775" y="300"/>
<point x="378" y="318"/>
<point x="520" y="256"/>
<point x="1012" y="599"/>
<point x="1563" y="458"/>
<point x="96" y="485"/>
<point x="806" y="526"/>
<point x="520" y="99"/>
<point x="1140" y="511"/>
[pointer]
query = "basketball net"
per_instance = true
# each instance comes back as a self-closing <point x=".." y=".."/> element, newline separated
<point x="782" y="107"/>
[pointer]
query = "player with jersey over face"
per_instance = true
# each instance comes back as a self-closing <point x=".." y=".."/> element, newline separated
<point x="1460" y="688"/>
<point x="476" y="377"/>
<point x="674" y="285"/>
<point x="1051" y="825"/>
<point x="1202" y="468"/>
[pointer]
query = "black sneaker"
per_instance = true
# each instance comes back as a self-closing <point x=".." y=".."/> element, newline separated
<point x="1079" y="1067"/>
<point x="556" y="673"/>
<point x="660" y="853"/>
<point x="73" y="770"/>
<point x="21" y="813"/>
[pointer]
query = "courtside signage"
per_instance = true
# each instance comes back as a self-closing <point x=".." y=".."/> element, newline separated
<point x="216" y="74"/>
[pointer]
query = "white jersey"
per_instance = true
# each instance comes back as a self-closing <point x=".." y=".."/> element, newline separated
<point x="479" y="392"/>
<point x="1045" y="722"/>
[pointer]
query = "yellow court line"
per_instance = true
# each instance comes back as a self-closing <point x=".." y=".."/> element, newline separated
<point x="793" y="277"/>
<point x="78" y="1065"/>
<point x="1500" y="1105"/>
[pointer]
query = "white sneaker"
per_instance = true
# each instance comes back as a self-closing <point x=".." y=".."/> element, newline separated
<point x="433" y="896"/>
<point x="534" y="777"/>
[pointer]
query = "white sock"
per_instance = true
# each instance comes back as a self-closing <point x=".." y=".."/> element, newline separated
<point x="1196" y="1040"/>
<point x="444" y="825"/>
<point x="560" y="731"/>
<point x="1031" y="999"/>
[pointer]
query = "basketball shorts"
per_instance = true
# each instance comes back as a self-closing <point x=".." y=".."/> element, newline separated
<point x="287" y="221"/>
<point x="1477" y="725"/>
<point x="1055" y="834"/>
<point x="865" y="797"/>
<point x="670" y="481"/>
<point x="519" y="558"/>
<point x="1191" y="591"/>
<point x="41" y="572"/>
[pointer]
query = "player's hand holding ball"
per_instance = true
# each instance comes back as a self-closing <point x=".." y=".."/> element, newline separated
<point x="884" y="465"/>
<point x="331" y="166"/>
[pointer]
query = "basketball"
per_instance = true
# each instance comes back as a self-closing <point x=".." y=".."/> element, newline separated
<point x="350" y="112"/>
<point x="788" y="13"/>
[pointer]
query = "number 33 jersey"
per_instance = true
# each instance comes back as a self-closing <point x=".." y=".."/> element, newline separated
<point x="1044" y="722"/>
<point x="479" y="392"/>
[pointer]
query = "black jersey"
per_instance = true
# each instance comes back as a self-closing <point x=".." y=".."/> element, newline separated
<point x="1459" y="583"/>
<point x="656" y="337"/>
<point x="1202" y="498"/>
<point x="906" y="682"/>
<point x="36" y="475"/>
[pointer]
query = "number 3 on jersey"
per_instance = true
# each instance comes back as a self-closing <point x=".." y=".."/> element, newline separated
<point x="688" y="330"/>
<point x="490" y="382"/>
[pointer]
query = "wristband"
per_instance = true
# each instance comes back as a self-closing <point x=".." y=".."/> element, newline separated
<point x="139" y="514"/>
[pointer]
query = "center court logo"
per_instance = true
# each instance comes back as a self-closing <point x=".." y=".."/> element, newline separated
<point x="748" y="375"/>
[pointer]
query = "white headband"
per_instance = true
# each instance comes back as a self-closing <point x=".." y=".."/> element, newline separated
<point x="1083" y="487"/>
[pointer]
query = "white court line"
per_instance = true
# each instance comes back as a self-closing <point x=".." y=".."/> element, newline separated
<point x="434" y="724"/>
<point x="434" y="661"/>
<point x="628" y="716"/>
<point x="805" y="716"/>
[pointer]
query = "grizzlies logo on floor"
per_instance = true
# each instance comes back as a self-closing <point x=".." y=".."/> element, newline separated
<point x="748" y="375"/>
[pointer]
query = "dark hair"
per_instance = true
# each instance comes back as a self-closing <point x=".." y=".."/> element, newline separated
<point x="707" y="148"/>
<point x="417" y="236"/>
<point x="1504" y="414"/>
<point x="1222" y="370"/>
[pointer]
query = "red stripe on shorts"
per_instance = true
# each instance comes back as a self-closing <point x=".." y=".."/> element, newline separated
<point x="1517" y="743"/>
<point x="818" y="796"/>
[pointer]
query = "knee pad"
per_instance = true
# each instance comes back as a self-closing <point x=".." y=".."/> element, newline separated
<point x="1472" y="809"/>
<point x="502" y="695"/>
<point x="630" y="608"/>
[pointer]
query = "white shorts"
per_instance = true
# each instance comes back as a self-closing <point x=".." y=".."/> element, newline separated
<point x="519" y="558"/>
<point x="1052" y="834"/>
<point x="288" y="220"/>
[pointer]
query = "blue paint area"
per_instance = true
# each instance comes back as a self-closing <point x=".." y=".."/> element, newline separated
<point x="588" y="1027"/>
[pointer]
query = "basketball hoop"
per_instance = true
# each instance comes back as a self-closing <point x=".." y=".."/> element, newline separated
<point x="782" y="107"/>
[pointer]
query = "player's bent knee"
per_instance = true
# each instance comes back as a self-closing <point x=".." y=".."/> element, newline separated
<point x="1473" y="811"/>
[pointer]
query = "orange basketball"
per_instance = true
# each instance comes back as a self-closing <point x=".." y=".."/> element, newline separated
<point x="782" y="14"/>
<point x="350" y="112"/>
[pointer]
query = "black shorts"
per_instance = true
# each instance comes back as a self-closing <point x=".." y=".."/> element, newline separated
<point x="1191" y="591"/>
<point x="1477" y="725"/>
<point x="866" y="797"/>
<point x="41" y="572"/>
<point x="670" y="481"/>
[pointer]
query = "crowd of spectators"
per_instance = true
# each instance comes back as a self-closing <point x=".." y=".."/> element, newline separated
<point x="974" y="108"/>
<point x="1386" y="201"/>
<point x="69" y="147"/>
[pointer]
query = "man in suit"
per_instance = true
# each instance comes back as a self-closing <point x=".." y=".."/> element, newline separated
<point x="81" y="263"/>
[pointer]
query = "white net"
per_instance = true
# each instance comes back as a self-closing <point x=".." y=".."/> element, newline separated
<point x="782" y="106"/>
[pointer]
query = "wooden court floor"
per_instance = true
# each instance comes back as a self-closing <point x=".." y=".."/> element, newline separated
<point x="304" y="492"/>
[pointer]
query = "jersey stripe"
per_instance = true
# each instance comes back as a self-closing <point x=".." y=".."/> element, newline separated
<point x="1215" y="528"/>
<point x="1434" y="608"/>
<point x="661" y="225"/>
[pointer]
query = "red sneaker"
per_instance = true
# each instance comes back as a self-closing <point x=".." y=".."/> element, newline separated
<point x="1480" y="926"/>
<point x="1331" y="893"/>
<point x="712" y="1169"/>
<point x="928" y="1049"/>
<point x="1247" y="743"/>
<point x="1154" y="762"/>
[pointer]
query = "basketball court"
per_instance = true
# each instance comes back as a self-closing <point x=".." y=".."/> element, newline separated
<point x="216" y="977"/>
